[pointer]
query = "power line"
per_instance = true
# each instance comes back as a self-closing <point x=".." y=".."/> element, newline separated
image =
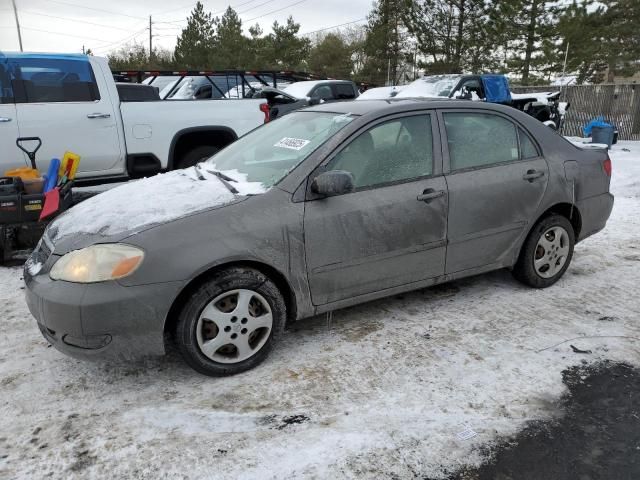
<point x="75" y="20"/>
<point x="112" y="12"/>
<point x="334" y="26"/>
<point x="276" y="11"/>
<point x="109" y="46"/>
<point x="64" y="34"/>
<point x="255" y="6"/>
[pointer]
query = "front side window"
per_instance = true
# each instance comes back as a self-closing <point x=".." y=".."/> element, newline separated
<point x="269" y="153"/>
<point x="393" y="151"/>
<point x="480" y="140"/>
<point x="52" y="80"/>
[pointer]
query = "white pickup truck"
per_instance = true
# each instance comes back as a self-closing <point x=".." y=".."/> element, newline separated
<point x="71" y="102"/>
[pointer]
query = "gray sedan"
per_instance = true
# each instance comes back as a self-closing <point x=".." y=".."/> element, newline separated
<point x="324" y="208"/>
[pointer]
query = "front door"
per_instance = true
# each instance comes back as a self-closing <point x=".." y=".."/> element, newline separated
<point x="497" y="178"/>
<point x="59" y="101"/>
<point x="391" y="230"/>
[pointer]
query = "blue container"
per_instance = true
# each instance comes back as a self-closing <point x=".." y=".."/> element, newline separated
<point x="603" y="134"/>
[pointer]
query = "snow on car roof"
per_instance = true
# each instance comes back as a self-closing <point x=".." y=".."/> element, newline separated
<point x="302" y="89"/>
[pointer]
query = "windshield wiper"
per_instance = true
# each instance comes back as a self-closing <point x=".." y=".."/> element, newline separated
<point x="221" y="176"/>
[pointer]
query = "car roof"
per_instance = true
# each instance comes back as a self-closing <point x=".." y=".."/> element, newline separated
<point x="396" y="105"/>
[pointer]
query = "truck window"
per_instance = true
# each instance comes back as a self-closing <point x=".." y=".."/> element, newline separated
<point x="6" y="93"/>
<point x="53" y="80"/>
<point x="345" y="91"/>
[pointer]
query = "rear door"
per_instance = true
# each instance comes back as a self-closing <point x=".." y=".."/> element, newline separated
<point x="496" y="178"/>
<point x="344" y="91"/>
<point x="391" y="231"/>
<point x="58" y="99"/>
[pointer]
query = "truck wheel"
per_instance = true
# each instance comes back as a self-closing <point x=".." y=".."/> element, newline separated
<point x="546" y="253"/>
<point x="229" y="324"/>
<point x="197" y="155"/>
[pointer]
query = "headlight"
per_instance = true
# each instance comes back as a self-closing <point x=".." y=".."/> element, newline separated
<point x="98" y="263"/>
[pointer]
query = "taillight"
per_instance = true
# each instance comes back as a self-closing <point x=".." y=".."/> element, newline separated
<point x="264" y="108"/>
<point x="607" y="166"/>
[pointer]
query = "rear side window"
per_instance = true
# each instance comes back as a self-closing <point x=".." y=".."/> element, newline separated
<point x="344" y="91"/>
<point x="527" y="148"/>
<point x="394" y="151"/>
<point x="52" y="80"/>
<point x="480" y="140"/>
<point x="324" y="92"/>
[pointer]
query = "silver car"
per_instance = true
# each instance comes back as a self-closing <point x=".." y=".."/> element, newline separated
<point x="327" y="207"/>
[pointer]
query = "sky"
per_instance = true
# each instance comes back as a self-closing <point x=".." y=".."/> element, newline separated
<point x="105" y="25"/>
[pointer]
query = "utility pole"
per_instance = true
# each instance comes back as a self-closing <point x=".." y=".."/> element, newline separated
<point x="150" y="38"/>
<point x="15" y="12"/>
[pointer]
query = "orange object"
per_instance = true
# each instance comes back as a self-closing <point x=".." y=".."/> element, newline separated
<point x="25" y="173"/>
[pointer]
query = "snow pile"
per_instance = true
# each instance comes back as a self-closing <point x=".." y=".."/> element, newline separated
<point x="145" y="202"/>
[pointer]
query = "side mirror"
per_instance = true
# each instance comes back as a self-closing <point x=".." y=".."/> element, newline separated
<point x="332" y="183"/>
<point x="315" y="100"/>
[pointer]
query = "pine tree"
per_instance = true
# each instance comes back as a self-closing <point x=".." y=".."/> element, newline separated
<point x="526" y="31"/>
<point x="386" y="42"/>
<point x="452" y="35"/>
<point x="232" y="48"/>
<point x="196" y="40"/>
<point x="331" y="57"/>
<point x="285" y="49"/>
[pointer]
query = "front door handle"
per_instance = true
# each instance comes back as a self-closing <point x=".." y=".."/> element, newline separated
<point x="430" y="194"/>
<point x="4" y="119"/>
<point x="532" y="175"/>
<point x="99" y="115"/>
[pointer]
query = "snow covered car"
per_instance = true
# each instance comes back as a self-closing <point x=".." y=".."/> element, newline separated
<point x="298" y="95"/>
<point x="328" y="207"/>
<point x="493" y="88"/>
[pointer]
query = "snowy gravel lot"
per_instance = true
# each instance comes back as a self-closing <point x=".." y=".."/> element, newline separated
<point x="383" y="392"/>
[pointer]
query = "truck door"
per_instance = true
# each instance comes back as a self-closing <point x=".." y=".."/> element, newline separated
<point x="64" y="102"/>
<point x="12" y="157"/>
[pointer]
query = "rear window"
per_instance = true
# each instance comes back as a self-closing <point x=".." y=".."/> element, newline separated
<point x="52" y="80"/>
<point x="344" y="91"/>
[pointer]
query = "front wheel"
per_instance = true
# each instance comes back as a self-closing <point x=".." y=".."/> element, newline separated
<point x="546" y="253"/>
<point x="229" y="324"/>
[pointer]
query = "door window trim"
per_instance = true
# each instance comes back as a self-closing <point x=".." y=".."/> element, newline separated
<point x="437" y="168"/>
<point x="446" y="159"/>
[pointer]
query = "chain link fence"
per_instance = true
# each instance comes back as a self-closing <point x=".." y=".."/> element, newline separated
<point x="618" y="104"/>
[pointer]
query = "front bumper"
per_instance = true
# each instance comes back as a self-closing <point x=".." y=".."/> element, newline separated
<point x="595" y="212"/>
<point x="101" y="319"/>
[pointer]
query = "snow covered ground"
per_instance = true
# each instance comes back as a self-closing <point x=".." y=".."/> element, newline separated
<point x="383" y="393"/>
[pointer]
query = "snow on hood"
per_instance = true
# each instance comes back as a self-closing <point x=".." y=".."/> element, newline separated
<point x="151" y="201"/>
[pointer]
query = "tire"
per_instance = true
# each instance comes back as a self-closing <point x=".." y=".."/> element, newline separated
<point x="197" y="155"/>
<point x="217" y="337"/>
<point x="546" y="253"/>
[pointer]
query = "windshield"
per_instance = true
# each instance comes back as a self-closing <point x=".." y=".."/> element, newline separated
<point x="431" y="86"/>
<point x="269" y="153"/>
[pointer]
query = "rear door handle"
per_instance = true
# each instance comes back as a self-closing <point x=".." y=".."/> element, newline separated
<point x="430" y="194"/>
<point x="99" y="115"/>
<point x="4" y="119"/>
<point x="532" y="175"/>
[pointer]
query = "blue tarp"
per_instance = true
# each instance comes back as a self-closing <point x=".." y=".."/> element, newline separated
<point x="596" y="122"/>
<point x="496" y="88"/>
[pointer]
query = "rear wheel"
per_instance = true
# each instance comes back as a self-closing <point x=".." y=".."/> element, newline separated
<point x="230" y="323"/>
<point x="197" y="155"/>
<point x="547" y="252"/>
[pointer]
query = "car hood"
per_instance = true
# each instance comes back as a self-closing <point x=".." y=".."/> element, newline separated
<point x="140" y="205"/>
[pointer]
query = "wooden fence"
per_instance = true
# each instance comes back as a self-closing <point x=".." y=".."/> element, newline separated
<point x="618" y="104"/>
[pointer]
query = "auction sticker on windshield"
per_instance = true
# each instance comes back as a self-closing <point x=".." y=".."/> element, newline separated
<point x="292" y="143"/>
